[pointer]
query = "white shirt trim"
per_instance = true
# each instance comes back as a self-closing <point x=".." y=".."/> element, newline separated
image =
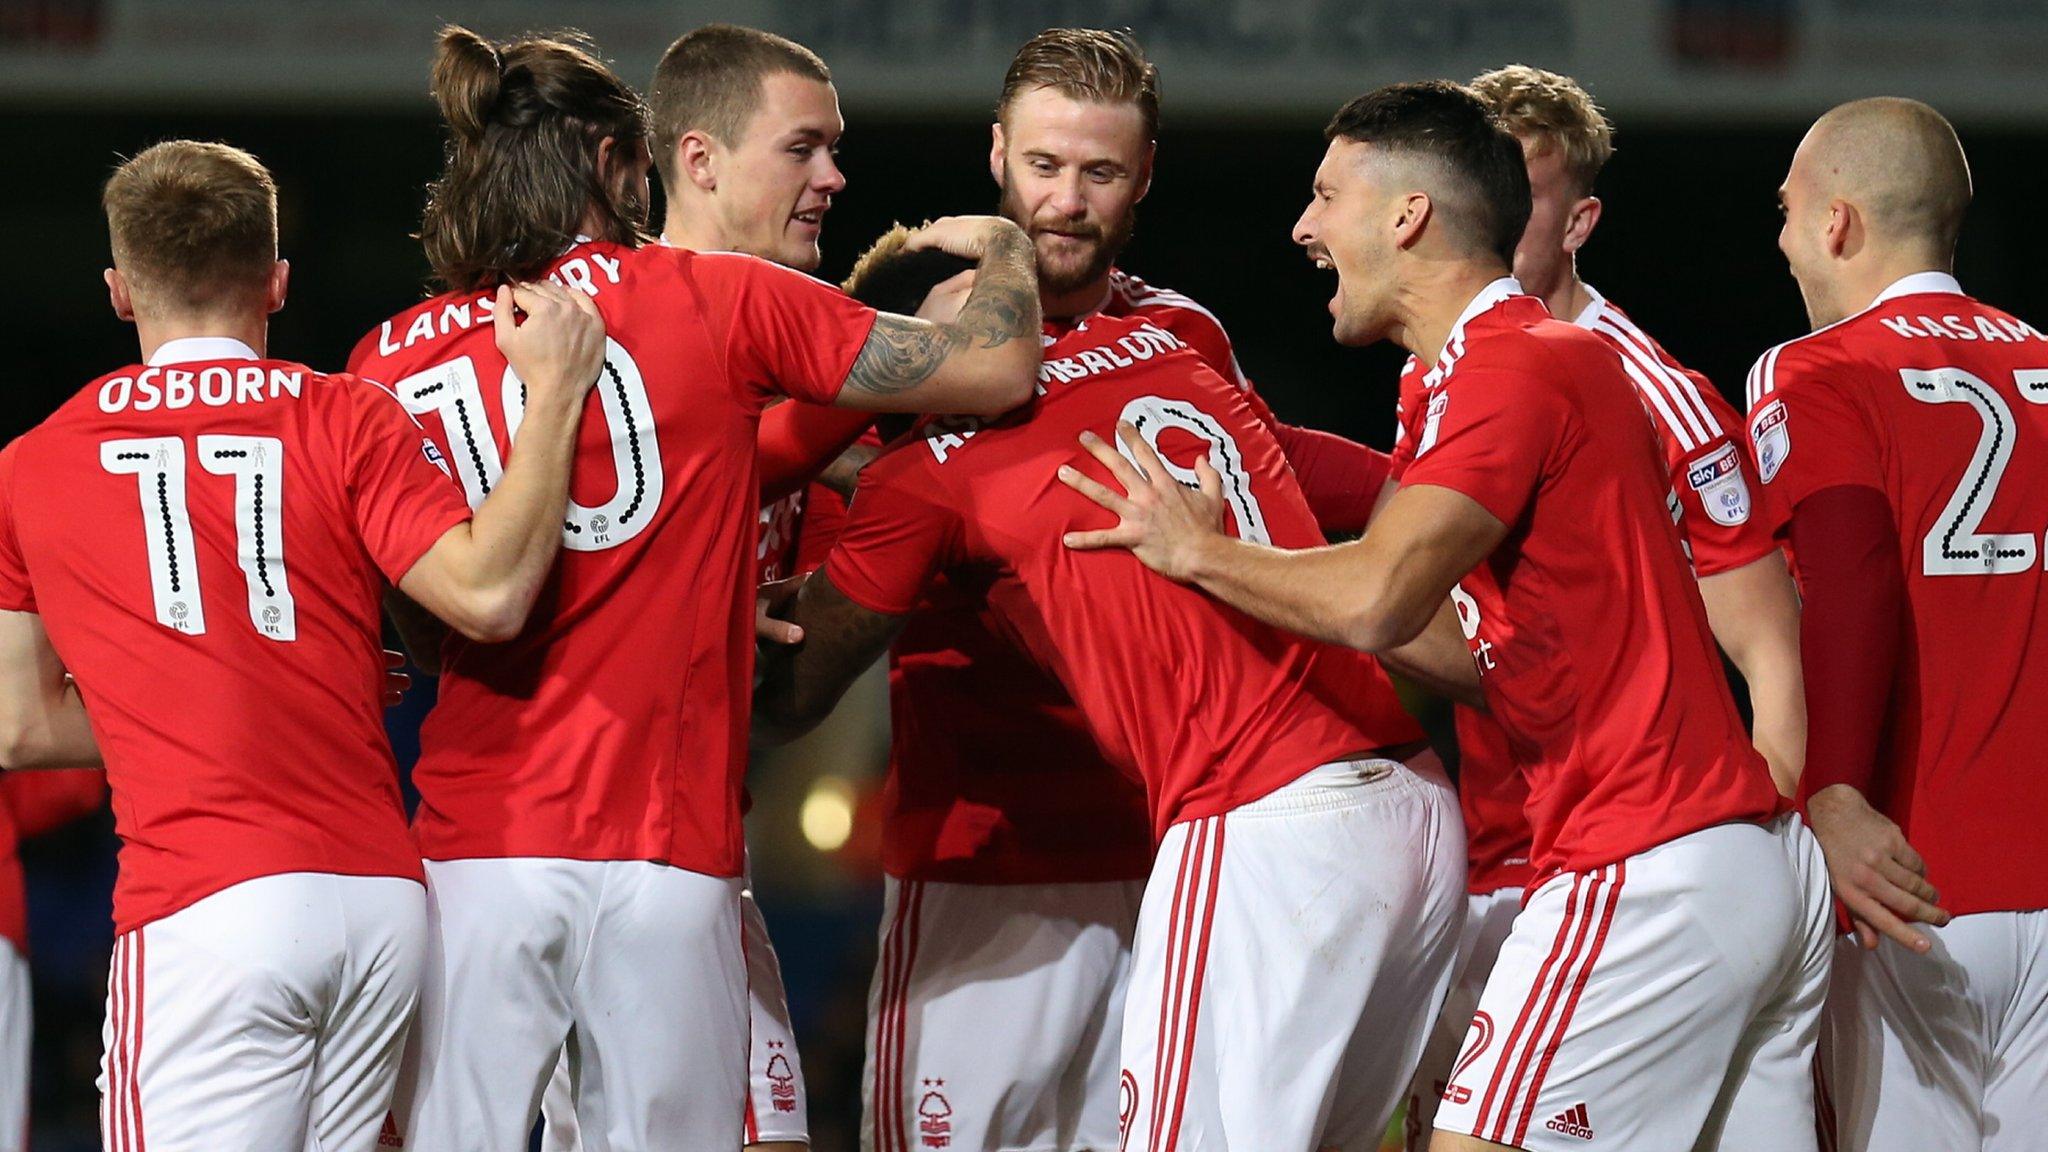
<point x="187" y="349"/>
<point x="1917" y="284"/>
<point x="1454" y="343"/>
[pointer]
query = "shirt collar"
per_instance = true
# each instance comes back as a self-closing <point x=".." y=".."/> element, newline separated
<point x="1454" y="344"/>
<point x="1593" y="308"/>
<point x="1488" y="296"/>
<point x="186" y="349"/>
<point x="1918" y="283"/>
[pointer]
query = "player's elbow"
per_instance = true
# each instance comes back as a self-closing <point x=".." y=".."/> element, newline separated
<point x="1372" y="624"/>
<point x="490" y="615"/>
<point x="1003" y="379"/>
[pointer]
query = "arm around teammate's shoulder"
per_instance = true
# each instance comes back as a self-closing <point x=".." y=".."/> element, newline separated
<point x="981" y="363"/>
<point x="482" y="577"/>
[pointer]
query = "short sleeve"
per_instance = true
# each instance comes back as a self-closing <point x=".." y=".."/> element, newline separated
<point x="399" y="488"/>
<point x="899" y="534"/>
<point x="1490" y="436"/>
<point x="16" y="594"/>
<point x="788" y="333"/>
<point x="1806" y="434"/>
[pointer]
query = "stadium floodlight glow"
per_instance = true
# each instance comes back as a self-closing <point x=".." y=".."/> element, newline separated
<point x="826" y="816"/>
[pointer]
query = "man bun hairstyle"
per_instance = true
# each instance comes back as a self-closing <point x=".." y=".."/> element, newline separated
<point x="710" y="81"/>
<point x="193" y="226"/>
<point x="520" y="174"/>
<point x="1554" y="111"/>
<point x="1088" y="64"/>
<point x="1478" y="182"/>
<point x="893" y="277"/>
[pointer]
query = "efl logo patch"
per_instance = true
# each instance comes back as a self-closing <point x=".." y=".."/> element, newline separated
<point x="1718" y="480"/>
<point x="1772" y="438"/>
<point x="434" y="457"/>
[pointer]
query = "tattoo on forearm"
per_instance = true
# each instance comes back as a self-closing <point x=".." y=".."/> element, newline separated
<point x="902" y="353"/>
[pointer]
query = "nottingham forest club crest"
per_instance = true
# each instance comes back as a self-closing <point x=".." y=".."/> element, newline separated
<point x="781" y="1079"/>
<point x="934" y="1116"/>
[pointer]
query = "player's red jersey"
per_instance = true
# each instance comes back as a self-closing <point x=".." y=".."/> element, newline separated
<point x="994" y="777"/>
<point x="614" y="726"/>
<point x="32" y="803"/>
<point x="207" y="539"/>
<point x="1585" y="624"/>
<point x="1941" y="403"/>
<point x="1723" y="527"/>
<point x="796" y="532"/>
<point x="1210" y="708"/>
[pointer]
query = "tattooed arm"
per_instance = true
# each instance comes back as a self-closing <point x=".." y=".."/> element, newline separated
<point x="984" y="362"/>
<point x="800" y="684"/>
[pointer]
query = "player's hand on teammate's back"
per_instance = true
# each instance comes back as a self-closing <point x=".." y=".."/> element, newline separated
<point x="770" y="601"/>
<point x="963" y="236"/>
<point x="395" y="679"/>
<point x="1164" y="522"/>
<point x="558" y="347"/>
<point x="1876" y="874"/>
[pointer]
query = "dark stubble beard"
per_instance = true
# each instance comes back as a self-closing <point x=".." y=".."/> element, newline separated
<point x="1108" y="244"/>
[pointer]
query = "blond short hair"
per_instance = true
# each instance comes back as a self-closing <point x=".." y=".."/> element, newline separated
<point x="1554" y="110"/>
<point x="1086" y="64"/>
<point x="193" y="225"/>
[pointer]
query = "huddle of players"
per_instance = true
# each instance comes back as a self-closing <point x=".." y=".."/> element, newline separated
<point x="1269" y="975"/>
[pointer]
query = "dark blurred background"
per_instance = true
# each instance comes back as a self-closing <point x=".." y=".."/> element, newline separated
<point x="1709" y="99"/>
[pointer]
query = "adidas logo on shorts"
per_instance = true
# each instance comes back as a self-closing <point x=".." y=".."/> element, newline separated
<point x="1573" y="1121"/>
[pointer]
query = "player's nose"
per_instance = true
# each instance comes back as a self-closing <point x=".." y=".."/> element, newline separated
<point x="829" y="180"/>
<point x="1067" y="199"/>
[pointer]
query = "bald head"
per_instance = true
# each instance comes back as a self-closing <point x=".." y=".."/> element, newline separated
<point x="1899" y="162"/>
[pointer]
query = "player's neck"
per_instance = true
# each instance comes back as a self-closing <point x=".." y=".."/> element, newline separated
<point x="155" y="332"/>
<point x="1431" y="302"/>
<point x="694" y="231"/>
<point x="1861" y="286"/>
<point x="1569" y="299"/>
<point x="1083" y="301"/>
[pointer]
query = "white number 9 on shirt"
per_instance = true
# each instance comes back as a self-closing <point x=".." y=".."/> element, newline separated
<point x="452" y="392"/>
<point x="1153" y="415"/>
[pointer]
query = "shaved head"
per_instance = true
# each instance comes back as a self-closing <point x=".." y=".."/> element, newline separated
<point x="1877" y="191"/>
<point x="1899" y="162"/>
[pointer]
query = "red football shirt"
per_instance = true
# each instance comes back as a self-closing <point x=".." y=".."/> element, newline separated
<point x="615" y="726"/>
<point x="1941" y="403"/>
<point x="994" y="777"/>
<point x="207" y="539"/>
<point x="32" y="803"/>
<point x="1208" y="707"/>
<point x="1585" y="624"/>
<point x="1723" y="527"/>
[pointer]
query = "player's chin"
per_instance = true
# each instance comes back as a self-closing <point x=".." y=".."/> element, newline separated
<point x="804" y="255"/>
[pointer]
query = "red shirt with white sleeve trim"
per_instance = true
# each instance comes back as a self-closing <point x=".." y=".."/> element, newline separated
<point x="615" y="726"/>
<point x="207" y="539"/>
<point x="1722" y="523"/>
<point x="1940" y="403"/>
<point x="1210" y="708"/>
<point x="994" y="777"/>
<point x="1586" y="625"/>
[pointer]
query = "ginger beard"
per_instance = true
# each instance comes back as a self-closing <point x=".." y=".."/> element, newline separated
<point x="1072" y="252"/>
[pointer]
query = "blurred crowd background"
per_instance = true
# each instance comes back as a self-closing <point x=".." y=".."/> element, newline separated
<point x="1709" y="98"/>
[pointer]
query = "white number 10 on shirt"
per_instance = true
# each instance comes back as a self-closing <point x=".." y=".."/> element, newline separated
<point x="452" y="392"/>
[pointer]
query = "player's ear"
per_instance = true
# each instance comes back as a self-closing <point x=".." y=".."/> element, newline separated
<point x="280" y="280"/>
<point x="117" y="295"/>
<point x="997" y="151"/>
<point x="1579" y="225"/>
<point x="1412" y="213"/>
<point x="1844" y="222"/>
<point x="1145" y="170"/>
<point x="697" y="160"/>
